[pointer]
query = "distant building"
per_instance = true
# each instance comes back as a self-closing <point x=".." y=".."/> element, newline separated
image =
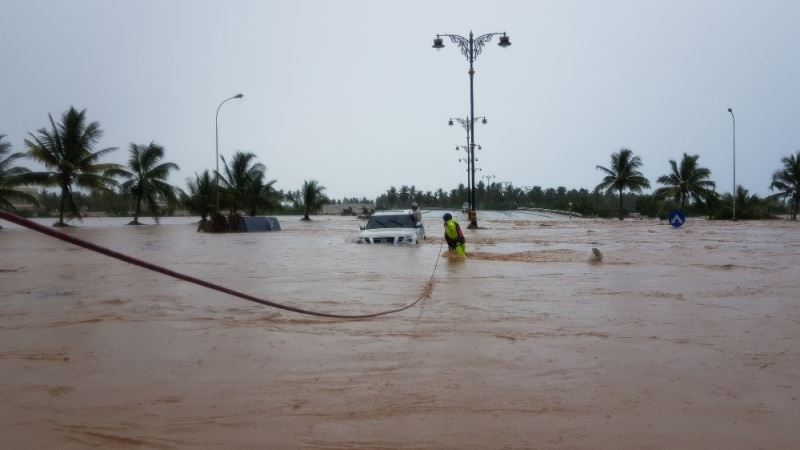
<point x="343" y="209"/>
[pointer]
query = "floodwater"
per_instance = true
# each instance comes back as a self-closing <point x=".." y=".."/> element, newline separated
<point x="679" y="338"/>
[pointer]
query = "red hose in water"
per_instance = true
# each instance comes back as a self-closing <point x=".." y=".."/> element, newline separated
<point x="137" y="262"/>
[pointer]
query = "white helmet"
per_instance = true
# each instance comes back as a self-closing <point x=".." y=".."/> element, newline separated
<point x="414" y="205"/>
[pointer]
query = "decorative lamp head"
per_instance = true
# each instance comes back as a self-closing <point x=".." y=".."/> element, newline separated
<point x="504" y="41"/>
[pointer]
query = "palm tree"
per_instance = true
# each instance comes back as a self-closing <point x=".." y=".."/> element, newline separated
<point x="787" y="181"/>
<point x="147" y="179"/>
<point x="623" y="175"/>
<point x="688" y="180"/>
<point x="404" y="195"/>
<point x="747" y="206"/>
<point x="67" y="151"/>
<point x="201" y="195"/>
<point x="11" y="177"/>
<point x="312" y="197"/>
<point x="261" y="195"/>
<point x="391" y="197"/>
<point x="242" y="180"/>
<point x="441" y="196"/>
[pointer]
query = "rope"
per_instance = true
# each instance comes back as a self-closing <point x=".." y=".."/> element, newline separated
<point x="426" y="293"/>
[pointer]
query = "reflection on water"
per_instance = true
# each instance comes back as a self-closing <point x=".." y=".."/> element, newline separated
<point x="697" y="325"/>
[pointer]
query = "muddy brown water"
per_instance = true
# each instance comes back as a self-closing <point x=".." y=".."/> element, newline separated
<point x="680" y="338"/>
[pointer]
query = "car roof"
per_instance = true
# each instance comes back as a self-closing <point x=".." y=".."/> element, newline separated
<point x="392" y="213"/>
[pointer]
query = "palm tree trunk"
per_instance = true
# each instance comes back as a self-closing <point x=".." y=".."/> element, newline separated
<point x="138" y="210"/>
<point x="61" y="206"/>
<point x="620" y="205"/>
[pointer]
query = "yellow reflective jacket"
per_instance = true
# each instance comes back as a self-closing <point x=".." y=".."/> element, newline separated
<point x="454" y="236"/>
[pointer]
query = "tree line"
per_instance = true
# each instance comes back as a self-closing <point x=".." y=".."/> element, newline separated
<point x="687" y="187"/>
<point x="73" y="167"/>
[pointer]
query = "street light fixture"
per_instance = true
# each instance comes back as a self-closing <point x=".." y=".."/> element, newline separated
<point x="471" y="47"/>
<point x="730" y="110"/>
<point x="466" y="150"/>
<point x="466" y="124"/>
<point x="450" y="122"/>
<point x="216" y="125"/>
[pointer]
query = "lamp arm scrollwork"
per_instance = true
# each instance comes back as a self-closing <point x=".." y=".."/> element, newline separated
<point x="477" y="43"/>
<point x="461" y="41"/>
<point x="482" y="40"/>
<point x="465" y="122"/>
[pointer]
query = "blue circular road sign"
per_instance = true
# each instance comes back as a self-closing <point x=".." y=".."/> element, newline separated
<point x="676" y="218"/>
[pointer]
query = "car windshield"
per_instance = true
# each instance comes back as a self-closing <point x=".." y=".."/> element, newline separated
<point x="394" y="221"/>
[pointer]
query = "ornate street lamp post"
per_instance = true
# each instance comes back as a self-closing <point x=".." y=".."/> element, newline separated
<point x="466" y="160"/>
<point x="216" y="125"/>
<point x="467" y="124"/>
<point x="471" y="47"/>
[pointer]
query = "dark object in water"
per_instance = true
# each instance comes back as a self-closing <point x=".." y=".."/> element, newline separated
<point x="250" y="224"/>
<point x="216" y="224"/>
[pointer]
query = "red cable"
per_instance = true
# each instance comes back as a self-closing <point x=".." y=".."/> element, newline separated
<point x="137" y="262"/>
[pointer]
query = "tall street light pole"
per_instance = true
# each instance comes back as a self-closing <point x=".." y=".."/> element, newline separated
<point x="465" y="148"/>
<point x="730" y="110"/>
<point x="216" y="128"/>
<point x="471" y="47"/>
<point x="468" y="125"/>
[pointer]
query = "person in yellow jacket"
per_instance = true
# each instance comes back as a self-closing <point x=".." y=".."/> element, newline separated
<point x="454" y="236"/>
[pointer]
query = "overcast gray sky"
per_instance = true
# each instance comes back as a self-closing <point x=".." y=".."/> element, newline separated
<point x="351" y="93"/>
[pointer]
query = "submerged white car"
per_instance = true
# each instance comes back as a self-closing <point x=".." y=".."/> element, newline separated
<point x="392" y="227"/>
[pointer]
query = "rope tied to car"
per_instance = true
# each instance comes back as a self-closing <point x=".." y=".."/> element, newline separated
<point x="426" y="292"/>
